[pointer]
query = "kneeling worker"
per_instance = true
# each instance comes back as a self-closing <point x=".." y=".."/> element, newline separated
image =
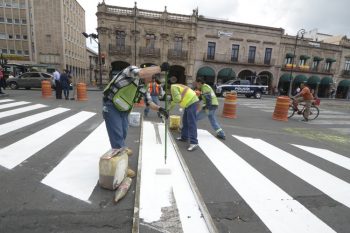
<point x="187" y="99"/>
<point x="121" y="93"/>
<point x="210" y="104"/>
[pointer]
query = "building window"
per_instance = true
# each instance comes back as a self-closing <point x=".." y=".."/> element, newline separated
<point x="8" y="4"/>
<point x="18" y="37"/>
<point x="3" y="36"/>
<point x="26" y="52"/>
<point x="10" y="36"/>
<point x="178" y="44"/>
<point x="327" y="66"/>
<point x="235" y="52"/>
<point x="150" y="41"/>
<point x="12" y="51"/>
<point x="347" y="65"/>
<point x="19" y="52"/>
<point x="17" y="21"/>
<point x="251" y="54"/>
<point x="314" y="66"/>
<point x="24" y="21"/>
<point x="4" y="51"/>
<point x="2" y="20"/>
<point x="9" y="20"/>
<point x="211" y="50"/>
<point x="22" y="5"/>
<point x="268" y="55"/>
<point x="25" y="37"/>
<point x="120" y="39"/>
<point x="15" y="5"/>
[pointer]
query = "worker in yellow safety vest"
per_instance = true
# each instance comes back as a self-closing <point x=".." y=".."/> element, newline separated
<point x="188" y="100"/>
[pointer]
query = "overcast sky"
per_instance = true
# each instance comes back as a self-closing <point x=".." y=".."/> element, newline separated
<point x="330" y="17"/>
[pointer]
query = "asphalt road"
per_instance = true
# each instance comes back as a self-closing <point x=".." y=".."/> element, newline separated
<point x="29" y="205"/>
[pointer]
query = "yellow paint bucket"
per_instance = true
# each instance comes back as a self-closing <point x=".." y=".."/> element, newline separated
<point x="174" y="122"/>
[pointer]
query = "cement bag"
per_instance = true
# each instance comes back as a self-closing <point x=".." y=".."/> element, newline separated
<point x="113" y="168"/>
<point x="174" y="122"/>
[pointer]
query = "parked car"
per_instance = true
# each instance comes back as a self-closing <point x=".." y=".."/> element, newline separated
<point x="242" y="87"/>
<point x="29" y="80"/>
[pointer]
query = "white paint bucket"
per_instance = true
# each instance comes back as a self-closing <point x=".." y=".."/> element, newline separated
<point x="134" y="119"/>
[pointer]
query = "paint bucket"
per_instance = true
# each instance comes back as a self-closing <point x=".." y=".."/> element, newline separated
<point x="134" y="119"/>
<point x="174" y="122"/>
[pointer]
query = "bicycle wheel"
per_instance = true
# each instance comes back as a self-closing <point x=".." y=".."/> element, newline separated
<point x="314" y="111"/>
<point x="291" y="111"/>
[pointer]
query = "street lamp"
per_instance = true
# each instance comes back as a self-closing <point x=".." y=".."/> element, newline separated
<point x="301" y="32"/>
<point x="95" y="37"/>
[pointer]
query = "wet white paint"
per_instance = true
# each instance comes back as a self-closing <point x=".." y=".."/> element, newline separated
<point x="21" y="110"/>
<point x="156" y="189"/>
<point x="26" y="121"/>
<point x="327" y="183"/>
<point x="19" y="151"/>
<point x="328" y="155"/>
<point x="278" y="210"/>
<point x="77" y="174"/>
<point x="15" y="104"/>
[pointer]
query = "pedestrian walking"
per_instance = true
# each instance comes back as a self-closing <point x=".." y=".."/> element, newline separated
<point x="188" y="100"/>
<point x="2" y="80"/>
<point x="154" y="90"/>
<point x="209" y="106"/>
<point x="64" y="80"/>
<point x="58" y="87"/>
<point x="120" y="94"/>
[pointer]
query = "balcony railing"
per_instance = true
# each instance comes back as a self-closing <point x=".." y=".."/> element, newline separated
<point x="345" y="73"/>
<point x="227" y="58"/>
<point x="119" y="50"/>
<point x="306" y="68"/>
<point x="177" y="54"/>
<point x="149" y="52"/>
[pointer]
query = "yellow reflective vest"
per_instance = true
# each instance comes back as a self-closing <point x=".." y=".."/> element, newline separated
<point x="182" y="95"/>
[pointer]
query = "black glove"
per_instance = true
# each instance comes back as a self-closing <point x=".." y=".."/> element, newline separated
<point x="165" y="66"/>
<point x="164" y="112"/>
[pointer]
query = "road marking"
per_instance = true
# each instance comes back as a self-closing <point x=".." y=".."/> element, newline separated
<point x="19" y="151"/>
<point x="78" y="173"/>
<point x="15" y="104"/>
<point x="6" y="100"/>
<point x="23" y="122"/>
<point x="325" y="116"/>
<point x="278" y="210"/>
<point x="332" y="186"/>
<point x="329" y="122"/>
<point x="328" y="155"/>
<point x="21" y="110"/>
<point x="155" y="189"/>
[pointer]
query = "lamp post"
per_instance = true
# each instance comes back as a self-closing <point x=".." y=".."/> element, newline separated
<point x="95" y="37"/>
<point x="301" y="32"/>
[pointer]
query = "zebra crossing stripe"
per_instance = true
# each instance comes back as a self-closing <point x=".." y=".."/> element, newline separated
<point x="15" y="104"/>
<point x="6" y="100"/>
<point x="19" y="151"/>
<point x="21" y="110"/>
<point x="278" y="210"/>
<point x="332" y="186"/>
<point x="23" y="122"/>
<point x="328" y="155"/>
<point x="324" y="116"/>
<point x="329" y="122"/>
<point x="77" y="174"/>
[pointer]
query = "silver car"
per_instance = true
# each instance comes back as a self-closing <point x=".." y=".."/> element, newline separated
<point x="29" y="80"/>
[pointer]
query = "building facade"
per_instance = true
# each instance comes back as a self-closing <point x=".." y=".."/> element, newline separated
<point x="46" y="32"/>
<point x="219" y="50"/>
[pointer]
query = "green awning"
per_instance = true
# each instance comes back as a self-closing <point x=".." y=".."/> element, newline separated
<point x="285" y="78"/>
<point x="316" y="58"/>
<point x="344" y="83"/>
<point x="330" y="60"/>
<point x="206" y="72"/>
<point x="304" y="57"/>
<point x="326" y="81"/>
<point x="289" y="55"/>
<point x="227" y="73"/>
<point x="300" y="79"/>
<point x="313" y="80"/>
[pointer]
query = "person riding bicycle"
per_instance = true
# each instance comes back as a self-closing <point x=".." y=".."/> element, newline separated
<point x="306" y="96"/>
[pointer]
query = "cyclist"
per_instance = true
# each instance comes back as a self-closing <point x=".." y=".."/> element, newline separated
<point x="306" y="96"/>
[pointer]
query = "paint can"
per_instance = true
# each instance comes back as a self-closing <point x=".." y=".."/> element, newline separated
<point x="134" y="119"/>
<point x="174" y="122"/>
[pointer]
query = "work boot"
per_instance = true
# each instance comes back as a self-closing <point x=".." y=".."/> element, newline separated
<point x="192" y="147"/>
<point x="221" y="136"/>
<point x="181" y="139"/>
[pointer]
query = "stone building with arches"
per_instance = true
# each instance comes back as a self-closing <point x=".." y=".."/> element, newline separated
<point x="220" y="50"/>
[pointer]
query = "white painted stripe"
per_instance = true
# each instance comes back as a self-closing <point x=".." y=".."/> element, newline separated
<point x="324" y="116"/>
<point x="278" y="210"/>
<point x="17" y="152"/>
<point x="6" y="100"/>
<point x="15" y="104"/>
<point x="78" y="173"/>
<point x="23" y="122"/>
<point x="332" y="186"/>
<point x="322" y="111"/>
<point x="328" y="155"/>
<point x="21" y="110"/>
<point x="329" y="122"/>
<point x="268" y="110"/>
<point x="155" y="189"/>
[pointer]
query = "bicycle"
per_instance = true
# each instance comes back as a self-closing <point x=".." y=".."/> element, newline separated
<point x="314" y="110"/>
